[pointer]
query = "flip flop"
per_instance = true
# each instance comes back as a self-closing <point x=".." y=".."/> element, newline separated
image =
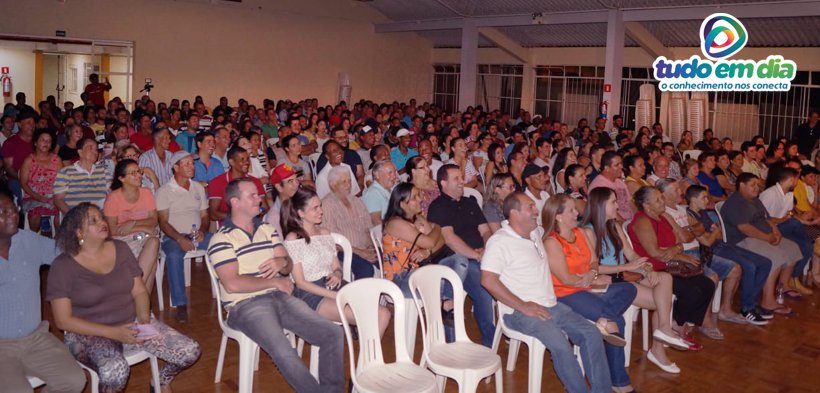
<point x="779" y="311"/>
<point x="792" y="294"/>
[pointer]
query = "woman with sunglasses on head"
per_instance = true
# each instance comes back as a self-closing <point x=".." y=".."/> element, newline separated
<point x="131" y="213"/>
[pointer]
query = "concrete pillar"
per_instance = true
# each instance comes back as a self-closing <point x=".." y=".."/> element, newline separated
<point x="469" y="64"/>
<point x="614" y="64"/>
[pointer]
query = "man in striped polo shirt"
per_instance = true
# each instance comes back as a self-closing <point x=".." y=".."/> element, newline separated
<point x="85" y="181"/>
<point x="253" y="268"/>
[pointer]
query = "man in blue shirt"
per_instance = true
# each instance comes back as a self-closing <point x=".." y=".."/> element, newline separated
<point x="402" y="152"/>
<point x="26" y="346"/>
<point x="206" y="166"/>
<point x="185" y="137"/>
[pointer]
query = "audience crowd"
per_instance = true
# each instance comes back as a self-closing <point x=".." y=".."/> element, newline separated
<point x="564" y="226"/>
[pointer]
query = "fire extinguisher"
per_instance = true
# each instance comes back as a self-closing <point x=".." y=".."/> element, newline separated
<point x="5" y="80"/>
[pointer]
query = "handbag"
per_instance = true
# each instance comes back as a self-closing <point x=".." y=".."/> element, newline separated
<point x="434" y="258"/>
<point x="627" y="277"/>
<point x="683" y="269"/>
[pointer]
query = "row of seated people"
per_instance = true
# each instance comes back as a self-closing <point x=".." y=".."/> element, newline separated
<point x="460" y="229"/>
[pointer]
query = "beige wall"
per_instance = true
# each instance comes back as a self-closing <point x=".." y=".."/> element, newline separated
<point x="21" y="69"/>
<point x="806" y="58"/>
<point x="257" y="49"/>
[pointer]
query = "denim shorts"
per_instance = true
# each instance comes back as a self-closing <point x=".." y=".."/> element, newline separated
<point x="313" y="300"/>
<point x="721" y="266"/>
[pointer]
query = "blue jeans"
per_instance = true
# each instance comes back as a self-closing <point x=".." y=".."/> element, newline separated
<point x="584" y="334"/>
<point x="610" y="305"/>
<point x="360" y="267"/>
<point x="455" y="262"/>
<point x="174" y="258"/>
<point x="263" y="318"/>
<point x="755" y="267"/>
<point x="793" y="230"/>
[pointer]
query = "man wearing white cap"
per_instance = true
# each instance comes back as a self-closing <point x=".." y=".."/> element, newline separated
<point x="182" y="211"/>
<point x="402" y="152"/>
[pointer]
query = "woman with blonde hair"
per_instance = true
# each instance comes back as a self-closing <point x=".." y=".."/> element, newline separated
<point x="578" y="285"/>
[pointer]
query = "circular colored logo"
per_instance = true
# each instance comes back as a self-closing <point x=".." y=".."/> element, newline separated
<point x="721" y="36"/>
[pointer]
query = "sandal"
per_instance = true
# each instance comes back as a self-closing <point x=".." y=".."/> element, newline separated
<point x="780" y="311"/>
<point x="712" y="332"/>
<point x="613" y="338"/>
<point x="792" y="294"/>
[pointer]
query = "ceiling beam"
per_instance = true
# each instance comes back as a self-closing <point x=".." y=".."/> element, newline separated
<point x="646" y="40"/>
<point x="506" y="44"/>
<point x="754" y="10"/>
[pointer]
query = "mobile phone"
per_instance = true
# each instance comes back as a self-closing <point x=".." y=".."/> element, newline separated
<point x="146" y="331"/>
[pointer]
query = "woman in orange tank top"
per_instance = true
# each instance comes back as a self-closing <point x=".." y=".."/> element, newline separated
<point x="575" y="275"/>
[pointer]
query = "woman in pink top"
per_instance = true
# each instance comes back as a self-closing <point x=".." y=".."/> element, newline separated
<point x="38" y="173"/>
<point x="132" y="215"/>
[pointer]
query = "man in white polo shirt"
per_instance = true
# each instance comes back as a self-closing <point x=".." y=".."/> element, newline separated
<point x="514" y="270"/>
<point x="182" y="210"/>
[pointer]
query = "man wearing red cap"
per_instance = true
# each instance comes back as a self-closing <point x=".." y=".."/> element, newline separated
<point x="285" y="182"/>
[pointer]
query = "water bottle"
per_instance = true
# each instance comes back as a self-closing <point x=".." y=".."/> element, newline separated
<point x="45" y="226"/>
<point x="780" y="295"/>
<point x="193" y="236"/>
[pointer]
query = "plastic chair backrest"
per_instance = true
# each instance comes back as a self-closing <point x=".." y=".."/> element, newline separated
<point x="314" y="162"/>
<point x="719" y="206"/>
<point x="472" y="192"/>
<point x="362" y="296"/>
<point x="626" y="232"/>
<point x="347" y="260"/>
<point x="693" y="154"/>
<point x="425" y="285"/>
<point x="376" y="238"/>
<point x="218" y="291"/>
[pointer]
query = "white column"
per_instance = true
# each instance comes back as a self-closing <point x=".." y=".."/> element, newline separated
<point x="469" y="64"/>
<point x="614" y="64"/>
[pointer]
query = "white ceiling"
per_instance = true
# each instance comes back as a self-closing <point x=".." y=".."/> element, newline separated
<point x="763" y="32"/>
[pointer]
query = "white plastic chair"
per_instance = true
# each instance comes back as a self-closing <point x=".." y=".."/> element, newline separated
<point x="472" y="192"/>
<point x="462" y="360"/>
<point x="314" y="161"/>
<point x="370" y="373"/>
<point x="693" y="154"/>
<point x="132" y="357"/>
<point x="160" y="275"/>
<point x="536" y="352"/>
<point x="248" y="349"/>
<point x="376" y="238"/>
<point x="35" y="382"/>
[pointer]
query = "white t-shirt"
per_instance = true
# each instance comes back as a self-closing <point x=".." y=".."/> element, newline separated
<point x="777" y="203"/>
<point x="539" y="204"/>
<point x="522" y="264"/>
<point x="682" y="219"/>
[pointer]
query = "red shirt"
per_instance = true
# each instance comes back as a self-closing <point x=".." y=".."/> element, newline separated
<point x="217" y="185"/>
<point x="663" y="232"/>
<point x="96" y="93"/>
<point x="18" y="149"/>
<point x="144" y="142"/>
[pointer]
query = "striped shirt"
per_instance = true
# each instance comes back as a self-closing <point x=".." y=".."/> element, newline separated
<point x="231" y="244"/>
<point x="79" y="185"/>
<point x="163" y="169"/>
